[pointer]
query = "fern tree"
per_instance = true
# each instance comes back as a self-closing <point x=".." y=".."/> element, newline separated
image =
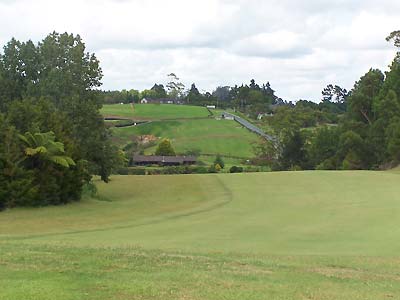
<point x="57" y="177"/>
<point x="41" y="148"/>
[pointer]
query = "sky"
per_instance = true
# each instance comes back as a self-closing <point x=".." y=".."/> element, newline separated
<point x="298" y="46"/>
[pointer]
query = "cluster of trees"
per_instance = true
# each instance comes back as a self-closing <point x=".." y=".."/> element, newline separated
<point x="52" y="136"/>
<point x="251" y="99"/>
<point x="367" y="135"/>
<point x="173" y="90"/>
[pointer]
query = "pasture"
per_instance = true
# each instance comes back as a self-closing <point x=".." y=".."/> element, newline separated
<point x="287" y="235"/>
<point x="154" y="111"/>
<point x="209" y="136"/>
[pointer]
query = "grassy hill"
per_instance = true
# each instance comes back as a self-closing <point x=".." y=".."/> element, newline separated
<point x="289" y="235"/>
<point x="154" y="111"/>
<point x="188" y="127"/>
<point x="208" y="136"/>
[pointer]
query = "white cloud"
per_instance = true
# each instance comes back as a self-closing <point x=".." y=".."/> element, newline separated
<point x="298" y="46"/>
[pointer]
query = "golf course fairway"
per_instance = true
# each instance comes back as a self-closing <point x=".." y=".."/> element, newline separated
<point x="284" y="235"/>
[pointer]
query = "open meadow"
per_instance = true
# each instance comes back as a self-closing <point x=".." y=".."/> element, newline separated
<point x="154" y="111"/>
<point x="210" y="136"/>
<point x="286" y="235"/>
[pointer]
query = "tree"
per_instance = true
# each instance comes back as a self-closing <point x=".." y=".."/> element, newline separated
<point x="42" y="148"/>
<point x="165" y="148"/>
<point x="324" y="145"/>
<point x="159" y="91"/>
<point x="219" y="161"/>
<point x="352" y="151"/>
<point x="363" y="95"/>
<point x="393" y="138"/>
<point x="51" y="87"/>
<point x="56" y="176"/>
<point x="174" y="86"/>
<point x="193" y="96"/>
<point x="395" y="37"/>
<point x="15" y="182"/>
<point x="222" y="93"/>
<point x="335" y="94"/>
<point x="293" y="152"/>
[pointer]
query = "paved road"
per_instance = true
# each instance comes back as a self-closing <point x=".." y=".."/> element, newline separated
<point x="250" y="126"/>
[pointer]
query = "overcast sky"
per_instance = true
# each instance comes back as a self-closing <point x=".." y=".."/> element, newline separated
<point x="298" y="46"/>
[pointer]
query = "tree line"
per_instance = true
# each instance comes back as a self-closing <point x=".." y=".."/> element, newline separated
<point x="366" y="136"/>
<point x="52" y="136"/>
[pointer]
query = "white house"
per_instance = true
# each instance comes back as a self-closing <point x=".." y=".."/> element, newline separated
<point x="144" y="101"/>
<point x="210" y="106"/>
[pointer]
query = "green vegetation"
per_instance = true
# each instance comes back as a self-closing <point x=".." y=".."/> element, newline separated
<point x="165" y="148"/>
<point x="52" y="136"/>
<point x="210" y="136"/>
<point x="320" y="236"/>
<point x="366" y="136"/>
<point x="154" y="111"/>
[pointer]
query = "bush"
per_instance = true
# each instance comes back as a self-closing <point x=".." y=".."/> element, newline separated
<point x="235" y="169"/>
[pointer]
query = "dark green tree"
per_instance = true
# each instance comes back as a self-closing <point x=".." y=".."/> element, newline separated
<point x="360" y="103"/>
<point x="219" y="161"/>
<point x="165" y="148"/>
<point x="293" y="152"/>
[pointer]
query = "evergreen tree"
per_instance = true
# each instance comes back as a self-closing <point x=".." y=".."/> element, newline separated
<point x="219" y="161"/>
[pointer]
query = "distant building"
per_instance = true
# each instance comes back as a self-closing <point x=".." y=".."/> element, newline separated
<point x="210" y="106"/>
<point x="161" y="101"/>
<point x="145" y="160"/>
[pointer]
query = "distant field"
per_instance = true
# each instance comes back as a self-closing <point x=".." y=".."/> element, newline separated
<point x="209" y="136"/>
<point x="289" y="235"/>
<point x="154" y="111"/>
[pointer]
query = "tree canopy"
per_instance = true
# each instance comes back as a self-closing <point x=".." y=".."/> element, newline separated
<point x="50" y="119"/>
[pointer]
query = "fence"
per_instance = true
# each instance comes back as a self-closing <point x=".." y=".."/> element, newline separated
<point x="250" y="126"/>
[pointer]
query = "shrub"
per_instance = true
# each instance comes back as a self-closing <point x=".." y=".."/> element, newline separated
<point x="235" y="169"/>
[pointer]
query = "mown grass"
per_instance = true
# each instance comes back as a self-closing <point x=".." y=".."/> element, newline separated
<point x="209" y="136"/>
<point x="154" y="111"/>
<point x="289" y="235"/>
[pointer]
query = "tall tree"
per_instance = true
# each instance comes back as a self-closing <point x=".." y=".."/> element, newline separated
<point x="363" y="95"/>
<point x="174" y="86"/>
<point x="395" y="37"/>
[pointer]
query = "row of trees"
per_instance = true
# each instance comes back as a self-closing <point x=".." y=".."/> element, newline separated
<point x="367" y="135"/>
<point x="250" y="98"/>
<point x="52" y="135"/>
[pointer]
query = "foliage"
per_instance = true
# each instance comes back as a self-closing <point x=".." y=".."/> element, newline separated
<point x="219" y="161"/>
<point x="366" y="132"/>
<point x="49" y="100"/>
<point x="165" y="148"/>
<point x="174" y="86"/>
<point x="235" y="169"/>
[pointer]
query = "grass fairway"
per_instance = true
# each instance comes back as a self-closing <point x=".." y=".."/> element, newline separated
<point x="289" y="235"/>
<point x="209" y="136"/>
<point x="154" y="111"/>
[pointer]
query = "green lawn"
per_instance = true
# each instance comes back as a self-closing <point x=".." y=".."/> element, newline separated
<point x="289" y="235"/>
<point x="154" y="111"/>
<point x="209" y="136"/>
